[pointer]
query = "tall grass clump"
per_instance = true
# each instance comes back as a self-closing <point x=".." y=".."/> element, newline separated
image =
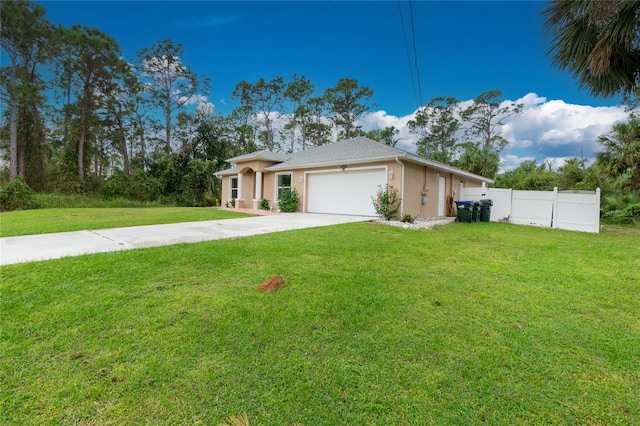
<point x="68" y="201"/>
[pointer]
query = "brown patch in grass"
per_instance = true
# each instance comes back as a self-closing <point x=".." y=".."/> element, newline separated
<point x="272" y="284"/>
<point x="241" y="420"/>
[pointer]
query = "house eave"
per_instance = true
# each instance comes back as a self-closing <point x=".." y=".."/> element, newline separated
<point x="285" y="166"/>
<point x="263" y="155"/>
<point x="401" y="155"/>
<point x="227" y="172"/>
<point x="447" y="168"/>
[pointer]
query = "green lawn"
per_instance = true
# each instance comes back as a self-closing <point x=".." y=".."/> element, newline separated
<point x="486" y="323"/>
<point x="45" y="221"/>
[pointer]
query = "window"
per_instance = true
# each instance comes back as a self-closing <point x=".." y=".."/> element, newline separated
<point x="283" y="182"/>
<point x="234" y="188"/>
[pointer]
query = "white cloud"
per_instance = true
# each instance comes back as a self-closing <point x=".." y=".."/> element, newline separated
<point x="380" y="120"/>
<point x="510" y="162"/>
<point x="554" y="130"/>
<point x="547" y="130"/>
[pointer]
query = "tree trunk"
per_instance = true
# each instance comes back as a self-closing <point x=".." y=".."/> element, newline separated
<point x="303" y="133"/>
<point x="269" y="134"/>
<point x="293" y="138"/>
<point x="143" y="153"/>
<point x="13" y="123"/>
<point x="125" y="153"/>
<point x="83" y="129"/>
<point x="168" y="127"/>
<point x="22" y="159"/>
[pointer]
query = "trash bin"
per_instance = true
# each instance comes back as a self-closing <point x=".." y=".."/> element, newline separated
<point x="475" y="212"/>
<point x="485" y="210"/>
<point x="465" y="211"/>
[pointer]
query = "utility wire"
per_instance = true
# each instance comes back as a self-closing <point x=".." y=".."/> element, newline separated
<point x="406" y="46"/>
<point x="415" y="52"/>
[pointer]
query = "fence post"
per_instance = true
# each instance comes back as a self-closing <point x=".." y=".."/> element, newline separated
<point x="554" y="212"/>
<point x="597" y="211"/>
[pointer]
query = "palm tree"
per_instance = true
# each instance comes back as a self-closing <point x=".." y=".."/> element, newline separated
<point x="621" y="157"/>
<point x="483" y="162"/>
<point x="598" y="42"/>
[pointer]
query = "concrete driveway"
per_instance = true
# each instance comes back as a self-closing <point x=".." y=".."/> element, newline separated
<point x="53" y="246"/>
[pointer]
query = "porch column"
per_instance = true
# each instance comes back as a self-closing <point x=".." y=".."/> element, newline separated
<point x="258" y="186"/>
<point x="240" y="186"/>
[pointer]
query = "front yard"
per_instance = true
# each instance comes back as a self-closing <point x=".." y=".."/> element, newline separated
<point x="464" y="324"/>
<point x="46" y="221"/>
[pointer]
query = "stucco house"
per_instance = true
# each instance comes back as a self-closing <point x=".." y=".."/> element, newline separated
<point x="341" y="178"/>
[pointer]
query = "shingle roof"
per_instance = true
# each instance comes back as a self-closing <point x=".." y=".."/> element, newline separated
<point x="227" y="172"/>
<point x="345" y="151"/>
<point x="259" y="155"/>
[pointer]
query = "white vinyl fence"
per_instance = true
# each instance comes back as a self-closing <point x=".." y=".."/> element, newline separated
<point x="572" y="210"/>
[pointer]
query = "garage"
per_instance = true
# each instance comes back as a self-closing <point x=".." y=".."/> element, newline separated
<point x="344" y="192"/>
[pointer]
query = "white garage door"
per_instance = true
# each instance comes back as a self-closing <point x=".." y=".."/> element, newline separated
<point x="344" y="192"/>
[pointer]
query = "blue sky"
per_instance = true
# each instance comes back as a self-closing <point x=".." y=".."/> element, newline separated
<point x="462" y="49"/>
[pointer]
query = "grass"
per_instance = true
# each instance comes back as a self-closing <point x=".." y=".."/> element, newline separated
<point x="61" y="201"/>
<point x="45" y="221"/>
<point x="488" y="323"/>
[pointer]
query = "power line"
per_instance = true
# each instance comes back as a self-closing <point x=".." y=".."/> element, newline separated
<point x="415" y="52"/>
<point x="406" y="46"/>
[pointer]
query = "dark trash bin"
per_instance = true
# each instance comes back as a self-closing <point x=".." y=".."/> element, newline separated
<point x="475" y="213"/>
<point x="485" y="210"/>
<point x="465" y="211"/>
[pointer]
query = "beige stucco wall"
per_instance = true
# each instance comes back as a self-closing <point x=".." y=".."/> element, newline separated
<point x="415" y="183"/>
<point x="224" y="191"/>
<point x="425" y="181"/>
<point x="419" y="181"/>
<point x="269" y="189"/>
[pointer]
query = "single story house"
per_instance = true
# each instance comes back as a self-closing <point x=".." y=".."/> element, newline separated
<point x="342" y="178"/>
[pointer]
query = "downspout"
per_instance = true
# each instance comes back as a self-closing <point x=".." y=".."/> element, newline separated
<point x="401" y="183"/>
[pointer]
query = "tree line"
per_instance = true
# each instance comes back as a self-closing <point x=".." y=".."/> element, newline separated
<point x="81" y="118"/>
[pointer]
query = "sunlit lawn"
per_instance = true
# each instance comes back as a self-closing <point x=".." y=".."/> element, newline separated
<point x="45" y="221"/>
<point x="465" y="324"/>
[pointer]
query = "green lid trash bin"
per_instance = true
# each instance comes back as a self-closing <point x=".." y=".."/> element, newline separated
<point x="485" y="210"/>
<point x="465" y="211"/>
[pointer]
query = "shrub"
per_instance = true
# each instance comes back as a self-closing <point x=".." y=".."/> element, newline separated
<point x="211" y="201"/>
<point x="386" y="202"/>
<point x="144" y="187"/>
<point x="17" y="195"/>
<point x="621" y="209"/>
<point x="407" y="218"/>
<point x="116" y="185"/>
<point x="288" y="201"/>
<point x="137" y="187"/>
<point x="264" y="204"/>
